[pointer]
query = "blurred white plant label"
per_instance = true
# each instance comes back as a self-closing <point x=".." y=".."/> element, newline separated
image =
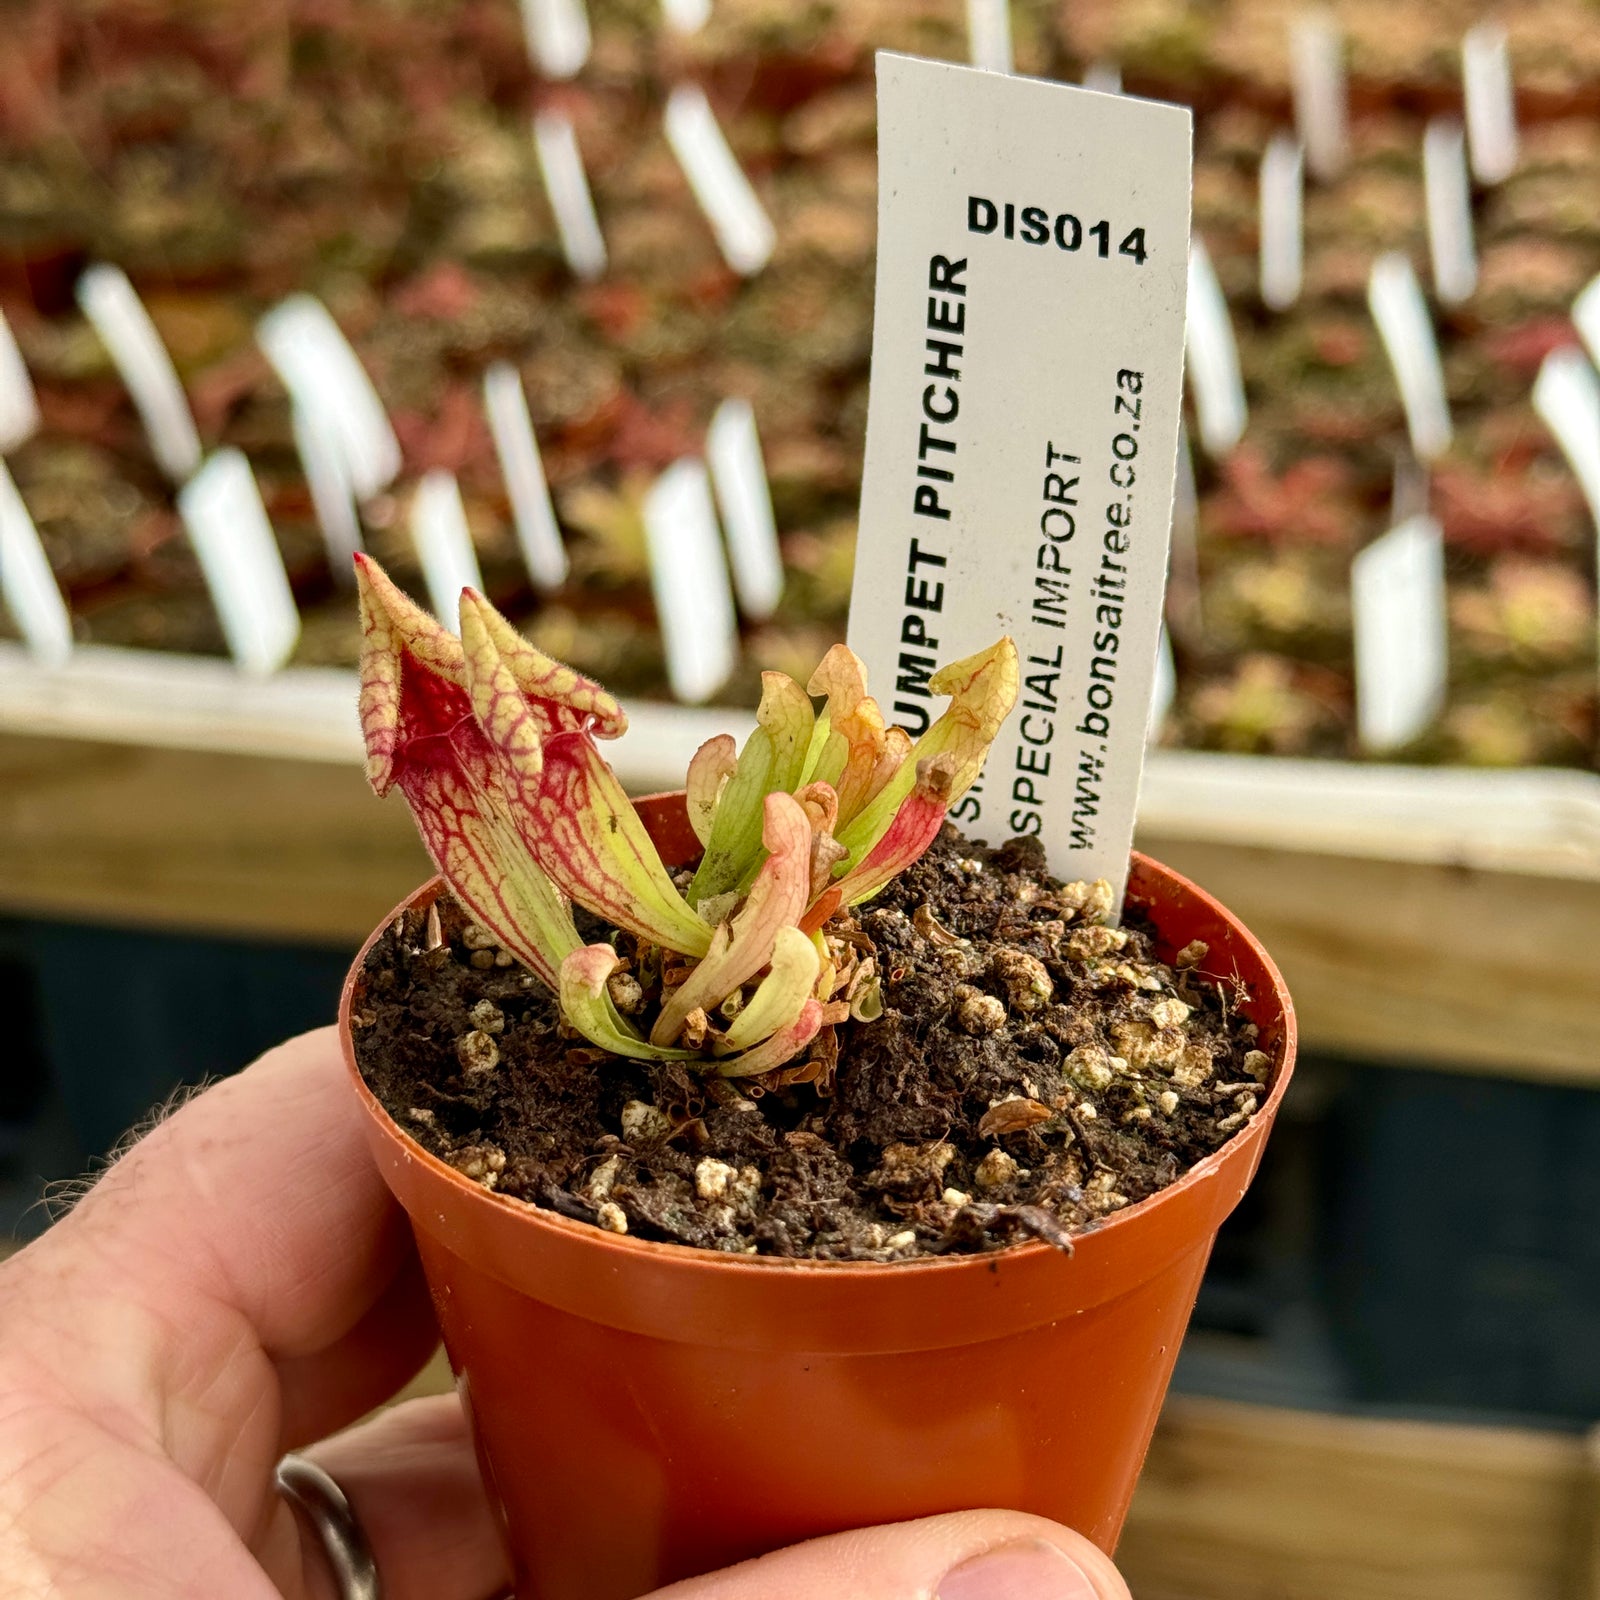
<point x="1214" y="378"/>
<point x="326" y="380"/>
<point x="444" y="545"/>
<point x="539" y="534"/>
<point x="1282" y="203"/>
<point x="1397" y="601"/>
<point x="686" y="16"/>
<point x="19" y="410"/>
<point x="733" y="449"/>
<point x="1027" y="376"/>
<point x="744" y="230"/>
<point x="1104" y="77"/>
<point x="1586" y="318"/>
<point x="118" y="315"/>
<point x="689" y="579"/>
<point x="1395" y="299"/>
<point x="332" y="494"/>
<point x="227" y="523"/>
<point x="1321" y="93"/>
<point x="555" y="142"/>
<point x="1165" y="689"/>
<point x="558" y="35"/>
<point x="1448" y="189"/>
<point x="1491" y="103"/>
<point x="1566" y="396"/>
<point x="26" y="582"/>
<point x="989" y="34"/>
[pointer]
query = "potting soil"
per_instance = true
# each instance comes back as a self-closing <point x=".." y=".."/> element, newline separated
<point x="1033" y="1072"/>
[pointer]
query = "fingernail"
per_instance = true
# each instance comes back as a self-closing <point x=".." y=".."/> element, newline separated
<point x="1031" y="1570"/>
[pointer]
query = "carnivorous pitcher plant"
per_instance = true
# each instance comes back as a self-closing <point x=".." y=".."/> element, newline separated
<point x="734" y="969"/>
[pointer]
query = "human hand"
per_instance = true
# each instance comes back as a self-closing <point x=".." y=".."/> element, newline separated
<point x="240" y="1285"/>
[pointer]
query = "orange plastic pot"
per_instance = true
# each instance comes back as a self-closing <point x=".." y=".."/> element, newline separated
<point x="644" y="1412"/>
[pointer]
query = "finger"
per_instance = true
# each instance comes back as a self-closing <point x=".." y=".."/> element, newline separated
<point x="334" y="1387"/>
<point x="85" y="1514"/>
<point x="966" y="1555"/>
<point x="230" y="1252"/>
<point x="260" y="1195"/>
<point x="412" y="1480"/>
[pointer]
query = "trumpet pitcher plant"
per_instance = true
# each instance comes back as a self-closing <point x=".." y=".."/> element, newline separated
<point x="493" y="746"/>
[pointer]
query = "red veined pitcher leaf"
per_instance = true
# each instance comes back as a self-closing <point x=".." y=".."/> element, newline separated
<point x="587" y="1004"/>
<point x="488" y="868"/>
<point x="787" y="715"/>
<point x="417" y="719"/>
<point x="771" y="761"/>
<point x="559" y="697"/>
<point x="510" y="724"/>
<point x="776" y="900"/>
<point x="713" y="764"/>
<point x="857" y="736"/>
<point x="915" y="826"/>
<point x="779" y="997"/>
<point x="820" y="909"/>
<point x="896" y="751"/>
<point x="983" y="689"/>
<point x="413" y="684"/>
<point x="584" y="832"/>
<point x="822" y="811"/>
<point x="782" y="1046"/>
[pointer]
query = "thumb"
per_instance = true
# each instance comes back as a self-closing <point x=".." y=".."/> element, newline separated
<point x="965" y="1555"/>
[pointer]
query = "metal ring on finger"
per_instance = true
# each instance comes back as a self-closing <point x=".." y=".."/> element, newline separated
<point x="326" y="1508"/>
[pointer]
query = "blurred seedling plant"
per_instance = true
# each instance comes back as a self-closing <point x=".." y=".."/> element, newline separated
<point x="735" y="970"/>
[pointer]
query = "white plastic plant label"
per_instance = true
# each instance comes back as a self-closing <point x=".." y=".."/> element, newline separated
<point x="325" y="378"/>
<point x="444" y="543"/>
<point x="743" y="229"/>
<point x="1397" y="598"/>
<point x="733" y="449"/>
<point x="1448" y="189"/>
<point x="1104" y="77"/>
<point x="19" y="406"/>
<point x="1164" y="689"/>
<point x="538" y="532"/>
<point x="332" y="494"/>
<point x="689" y="578"/>
<point x="686" y="16"/>
<point x="1183" y="610"/>
<point x="27" y="584"/>
<point x="1586" y="318"/>
<point x="1321" y="93"/>
<point x="118" y="315"/>
<point x="1410" y="488"/>
<point x="989" y="34"/>
<point x="1395" y="299"/>
<point x="1027" y="374"/>
<point x="227" y="524"/>
<point x="555" y="143"/>
<point x="1282" y="202"/>
<point x="558" y="38"/>
<point x="1214" y="378"/>
<point x="1566" y="395"/>
<point x="1491" y="103"/>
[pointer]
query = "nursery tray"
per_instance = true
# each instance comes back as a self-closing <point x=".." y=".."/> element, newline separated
<point x="1433" y="916"/>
